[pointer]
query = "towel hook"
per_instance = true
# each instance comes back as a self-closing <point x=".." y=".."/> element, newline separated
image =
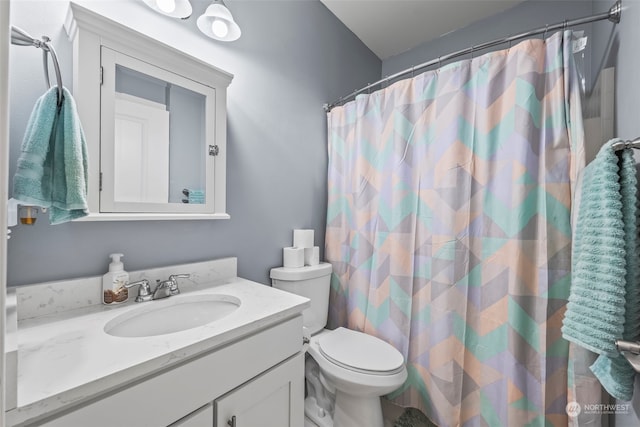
<point x="22" y="38"/>
<point x="56" y="66"/>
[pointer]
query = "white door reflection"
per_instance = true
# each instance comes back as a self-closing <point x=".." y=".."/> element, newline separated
<point x="141" y="150"/>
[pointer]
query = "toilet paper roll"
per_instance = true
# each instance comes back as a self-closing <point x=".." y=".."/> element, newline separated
<point x="303" y="238"/>
<point x="293" y="257"/>
<point x="312" y="256"/>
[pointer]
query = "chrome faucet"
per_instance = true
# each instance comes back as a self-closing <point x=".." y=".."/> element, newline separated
<point x="169" y="287"/>
<point x="144" y="291"/>
<point x="164" y="288"/>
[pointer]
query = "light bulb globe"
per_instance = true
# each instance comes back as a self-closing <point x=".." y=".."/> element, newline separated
<point x="219" y="28"/>
<point x="167" y="6"/>
<point x="218" y="23"/>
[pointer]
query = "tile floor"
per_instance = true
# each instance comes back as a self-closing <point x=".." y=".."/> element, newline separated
<point x="397" y="416"/>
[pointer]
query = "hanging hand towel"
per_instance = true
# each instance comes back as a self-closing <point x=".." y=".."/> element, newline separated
<point x="52" y="167"/>
<point x="603" y="302"/>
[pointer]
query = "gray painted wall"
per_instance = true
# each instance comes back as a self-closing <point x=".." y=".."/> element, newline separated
<point x="525" y="16"/>
<point x="293" y="56"/>
<point x="618" y="47"/>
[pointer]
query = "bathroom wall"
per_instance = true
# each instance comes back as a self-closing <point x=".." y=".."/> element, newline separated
<point x="617" y="46"/>
<point x="525" y="16"/>
<point x="293" y="56"/>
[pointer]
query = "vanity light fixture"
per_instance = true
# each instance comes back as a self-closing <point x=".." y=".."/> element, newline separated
<point x="174" y="8"/>
<point x="217" y="22"/>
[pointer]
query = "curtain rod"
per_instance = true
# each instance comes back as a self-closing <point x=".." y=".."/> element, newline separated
<point x="612" y="15"/>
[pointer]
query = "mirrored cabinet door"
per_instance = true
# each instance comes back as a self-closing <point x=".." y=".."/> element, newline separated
<point x="155" y="139"/>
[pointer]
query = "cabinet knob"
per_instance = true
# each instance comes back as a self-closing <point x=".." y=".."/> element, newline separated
<point x="232" y="421"/>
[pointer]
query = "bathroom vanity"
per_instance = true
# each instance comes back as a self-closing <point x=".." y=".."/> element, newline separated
<point x="74" y="368"/>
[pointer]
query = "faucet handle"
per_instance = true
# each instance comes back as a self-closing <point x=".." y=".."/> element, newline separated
<point x="144" y="290"/>
<point x="173" y="282"/>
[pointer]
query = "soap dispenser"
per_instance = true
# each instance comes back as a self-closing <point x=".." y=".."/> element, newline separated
<point x="113" y="289"/>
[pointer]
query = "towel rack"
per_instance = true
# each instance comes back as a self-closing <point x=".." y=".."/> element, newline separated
<point x="631" y="351"/>
<point x="621" y="145"/>
<point x="20" y="38"/>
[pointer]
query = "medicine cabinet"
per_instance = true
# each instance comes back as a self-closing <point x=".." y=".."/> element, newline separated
<point x="154" y="120"/>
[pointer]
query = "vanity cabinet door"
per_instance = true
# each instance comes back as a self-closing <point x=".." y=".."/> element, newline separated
<point x="202" y="417"/>
<point x="272" y="399"/>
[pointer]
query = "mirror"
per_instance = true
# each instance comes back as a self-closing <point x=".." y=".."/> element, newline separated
<point x="155" y="124"/>
<point x="153" y="138"/>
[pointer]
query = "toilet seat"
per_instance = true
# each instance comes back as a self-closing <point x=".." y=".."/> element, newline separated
<point x="359" y="352"/>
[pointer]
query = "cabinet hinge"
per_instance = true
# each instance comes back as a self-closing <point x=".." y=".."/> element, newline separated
<point x="100" y="181"/>
<point x="214" y="150"/>
<point x="101" y="75"/>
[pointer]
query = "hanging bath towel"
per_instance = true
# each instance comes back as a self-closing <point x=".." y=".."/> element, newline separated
<point x="52" y="167"/>
<point x="603" y="303"/>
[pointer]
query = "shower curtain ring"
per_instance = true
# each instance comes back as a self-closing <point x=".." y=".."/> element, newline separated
<point x="544" y="35"/>
<point x="565" y="24"/>
<point x="472" y="49"/>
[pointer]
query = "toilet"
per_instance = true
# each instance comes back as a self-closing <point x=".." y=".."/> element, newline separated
<point x="346" y="371"/>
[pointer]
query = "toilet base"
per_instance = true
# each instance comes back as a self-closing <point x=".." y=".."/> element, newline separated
<point x="350" y="411"/>
<point x="314" y="415"/>
<point x="357" y="411"/>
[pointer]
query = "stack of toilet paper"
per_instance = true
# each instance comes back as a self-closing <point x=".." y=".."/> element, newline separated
<point x="302" y="252"/>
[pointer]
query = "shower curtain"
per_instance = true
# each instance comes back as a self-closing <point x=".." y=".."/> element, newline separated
<point x="448" y="228"/>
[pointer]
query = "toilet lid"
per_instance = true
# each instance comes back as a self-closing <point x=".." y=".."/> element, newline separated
<point x="360" y="352"/>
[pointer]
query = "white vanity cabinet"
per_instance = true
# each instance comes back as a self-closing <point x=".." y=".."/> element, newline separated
<point x="72" y="372"/>
<point x="259" y="379"/>
<point x="274" y="399"/>
<point x="202" y="417"/>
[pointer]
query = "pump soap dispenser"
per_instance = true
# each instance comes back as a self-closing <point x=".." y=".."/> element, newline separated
<point x="113" y="290"/>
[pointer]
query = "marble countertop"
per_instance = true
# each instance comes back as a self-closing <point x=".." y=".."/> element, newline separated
<point x="67" y="358"/>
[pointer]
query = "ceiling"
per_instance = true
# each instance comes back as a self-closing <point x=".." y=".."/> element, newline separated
<point x="391" y="27"/>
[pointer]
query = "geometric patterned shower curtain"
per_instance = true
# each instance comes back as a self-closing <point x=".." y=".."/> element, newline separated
<point x="448" y="228"/>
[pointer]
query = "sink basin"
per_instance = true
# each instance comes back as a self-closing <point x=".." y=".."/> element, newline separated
<point x="175" y="314"/>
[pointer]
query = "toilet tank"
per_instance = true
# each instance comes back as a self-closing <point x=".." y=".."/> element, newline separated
<point x="312" y="282"/>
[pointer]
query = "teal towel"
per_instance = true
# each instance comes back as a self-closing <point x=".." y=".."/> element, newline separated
<point x="52" y="167"/>
<point x="195" y="196"/>
<point x="604" y="302"/>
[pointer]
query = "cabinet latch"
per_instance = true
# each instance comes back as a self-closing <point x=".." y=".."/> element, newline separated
<point x="214" y="150"/>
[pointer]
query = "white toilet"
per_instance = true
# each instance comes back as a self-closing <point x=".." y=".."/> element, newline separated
<point x="348" y="371"/>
